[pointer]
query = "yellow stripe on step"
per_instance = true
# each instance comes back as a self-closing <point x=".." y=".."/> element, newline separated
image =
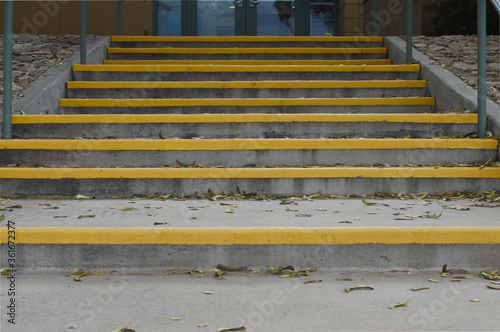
<point x="238" y="68"/>
<point x="374" y="39"/>
<point x="256" y="102"/>
<point x="249" y="50"/>
<point x="252" y="62"/>
<point x="249" y="84"/>
<point x="246" y="144"/>
<point x="250" y="173"/>
<point x="243" y="118"/>
<point x="254" y="235"/>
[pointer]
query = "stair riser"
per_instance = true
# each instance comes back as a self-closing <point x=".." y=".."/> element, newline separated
<point x="245" y="56"/>
<point x="239" y="158"/>
<point x="243" y="130"/>
<point x="249" y="109"/>
<point x="246" y="93"/>
<point x="246" y="44"/>
<point x="336" y="186"/>
<point x="241" y="76"/>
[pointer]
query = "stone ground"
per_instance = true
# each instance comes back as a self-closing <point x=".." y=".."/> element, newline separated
<point x="458" y="54"/>
<point x="35" y="55"/>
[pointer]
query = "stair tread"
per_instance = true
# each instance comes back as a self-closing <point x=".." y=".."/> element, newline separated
<point x="249" y="144"/>
<point x="248" y="68"/>
<point x="251" y="62"/>
<point x="232" y="118"/>
<point x="376" y="39"/>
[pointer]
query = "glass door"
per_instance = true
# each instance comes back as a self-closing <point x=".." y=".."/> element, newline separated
<point x="247" y="17"/>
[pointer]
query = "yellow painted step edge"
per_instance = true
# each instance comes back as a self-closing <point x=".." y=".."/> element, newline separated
<point x="249" y="84"/>
<point x="253" y="50"/>
<point x="246" y="144"/>
<point x="245" y="39"/>
<point x="251" y="62"/>
<point x="255" y="236"/>
<point x="243" y="118"/>
<point x="246" y="68"/>
<point x="429" y="101"/>
<point x="251" y="173"/>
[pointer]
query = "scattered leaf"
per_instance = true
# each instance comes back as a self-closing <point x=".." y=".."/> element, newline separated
<point x="203" y="325"/>
<point x="218" y="274"/>
<point x="432" y="280"/>
<point x="82" y="197"/>
<point x="291" y="210"/>
<point x="224" y="329"/>
<point x="176" y="318"/>
<point x="404" y="218"/>
<point x="474" y="300"/>
<point x="344" y="279"/>
<point x="230" y="210"/>
<point x="303" y="215"/>
<point x="128" y="208"/>
<point x="321" y="209"/>
<point x="207" y="292"/>
<point x="367" y="203"/>
<point x="491" y="287"/>
<point x="232" y="269"/>
<point x="86" y="216"/>
<point x="230" y="204"/>
<point x="345" y="222"/>
<point x="5" y="272"/>
<point x="456" y="207"/>
<point x="453" y="271"/>
<point x="156" y="223"/>
<point x="60" y="217"/>
<point x="18" y="206"/>
<point x="398" y="305"/>
<point x="51" y="207"/>
<point x="418" y="289"/>
<point x="76" y="275"/>
<point x="312" y="281"/>
<point x="363" y="287"/>
<point x="2" y="217"/>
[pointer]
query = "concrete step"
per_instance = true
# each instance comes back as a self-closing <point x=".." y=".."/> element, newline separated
<point x="243" y="41"/>
<point x="242" y="152"/>
<point x="247" y="89"/>
<point x="108" y="182"/>
<point x="243" y="72"/>
<point x="199" y="233"/>
<point x="255" y="53"/>
<point x="252" y="62"/>
<point x="242" y="125"/>
<point x="249" y="105"/>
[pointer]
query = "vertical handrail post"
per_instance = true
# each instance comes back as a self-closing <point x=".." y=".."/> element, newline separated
<point x="7" y="70"/>
<point x="83" y="32"/>
<point x="481" y="68"/>
<point x="374" y="17"/>
<point x="409" y="31"/>
<point x="155" y="17"/>
<point x="119" y="17"/>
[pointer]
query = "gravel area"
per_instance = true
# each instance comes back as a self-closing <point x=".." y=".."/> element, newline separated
<point x="458" y="54"/>
<point x="35" y="55"/>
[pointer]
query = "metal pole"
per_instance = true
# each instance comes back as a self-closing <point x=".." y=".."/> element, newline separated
<point x="119" y="17"/>
<point x="481" y="68"/>
<point x="374" y="17"/>
<point x="83" y="32"/>
<point x="7" y="70"/>
<point x="155" y="17"/>
<point x="409" y="31"/>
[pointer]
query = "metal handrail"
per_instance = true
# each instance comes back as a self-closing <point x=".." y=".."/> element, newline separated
<point x="496" y="4"/>
<point x="83" y="32"/>
<point x="7" y="70"/>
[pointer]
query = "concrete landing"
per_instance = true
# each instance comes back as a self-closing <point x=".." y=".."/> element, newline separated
<point x="258" y="301"/>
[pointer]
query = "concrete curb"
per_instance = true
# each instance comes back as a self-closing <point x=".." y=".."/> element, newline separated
<point x="450" y="91"/>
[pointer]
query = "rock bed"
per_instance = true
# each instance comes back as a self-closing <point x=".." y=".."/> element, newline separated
<point x="34" y="55"/>
<point x="458" y="54"/>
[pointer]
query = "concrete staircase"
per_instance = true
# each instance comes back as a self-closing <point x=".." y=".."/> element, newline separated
<point x="272" y="115"/>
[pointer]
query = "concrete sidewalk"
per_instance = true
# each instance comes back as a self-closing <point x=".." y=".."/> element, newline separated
<point x="260" y="302"/>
